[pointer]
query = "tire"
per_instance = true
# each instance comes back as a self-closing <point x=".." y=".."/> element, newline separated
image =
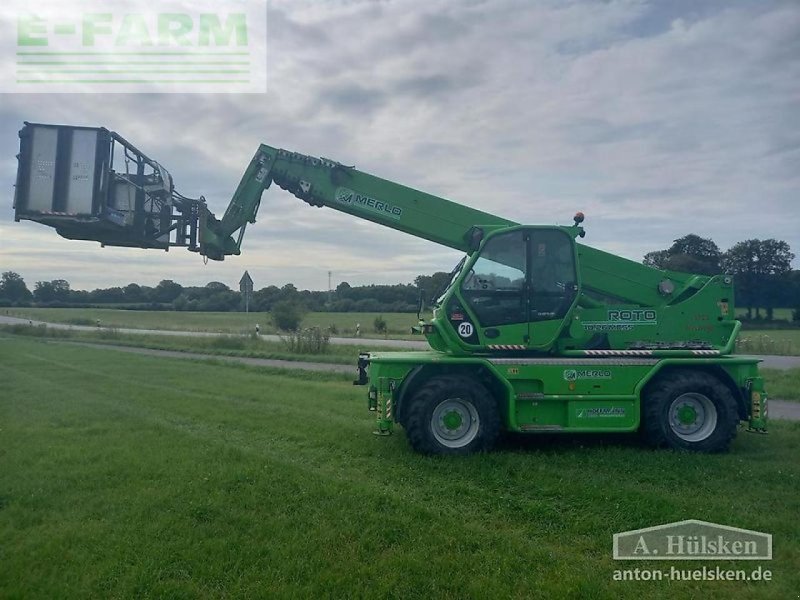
<point x="452" y="414"/>
<point x="689" y="410"/>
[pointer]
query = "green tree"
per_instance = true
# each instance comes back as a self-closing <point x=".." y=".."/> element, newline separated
<point x="265" y="298"/>
<point x="760" y="267"/>
<point x="217" y="286"/>
<point x="13" y="288"/>
<point x="133" y="293"/>
<point x="656" y="259"/>
<point x="689" y="254"/>
<point x="166" y="291"/>
<point x="343" y="290"/>
<point x="289" y="292"/>
<point x="432" y="284"/>
<point x="287" y="315"/>
<point x="51" y="291"/>
<point x="380" y="324"/>
<point x="112" y="295"/>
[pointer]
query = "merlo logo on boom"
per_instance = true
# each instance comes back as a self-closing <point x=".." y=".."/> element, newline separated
<point x="348" y="196"/>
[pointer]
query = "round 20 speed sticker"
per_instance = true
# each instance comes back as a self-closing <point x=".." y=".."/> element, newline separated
<point x="465" y="329"/>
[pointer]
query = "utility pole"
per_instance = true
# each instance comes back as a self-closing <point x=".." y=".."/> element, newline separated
<point x="330" y="290"/>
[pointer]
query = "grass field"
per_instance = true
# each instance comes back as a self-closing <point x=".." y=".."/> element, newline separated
<point x="129" y="476"/>
<point x="399" y="324"/>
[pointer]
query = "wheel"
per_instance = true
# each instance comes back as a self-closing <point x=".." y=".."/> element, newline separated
<point x="452" y="414"/>
<point x="689" y="410"/>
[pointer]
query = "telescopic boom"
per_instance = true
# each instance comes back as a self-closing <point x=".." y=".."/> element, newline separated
<point x="324" y="182"/>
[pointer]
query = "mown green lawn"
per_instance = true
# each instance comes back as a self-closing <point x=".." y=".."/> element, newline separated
<point x="130" y="476"/>
<point x="219" y="322"/>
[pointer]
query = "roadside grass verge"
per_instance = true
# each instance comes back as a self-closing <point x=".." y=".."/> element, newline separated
<point x="131" y="476"/>
<point x="223" y="345"/>
<point x="398" y="324"/>
<point x="782" y="384"/>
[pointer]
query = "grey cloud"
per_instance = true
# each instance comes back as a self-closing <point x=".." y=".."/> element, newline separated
<point x="282" y="28"/>
<point x="601" y="131"/>
<point x="352" y="98"/>
<point x="428" y="85"/>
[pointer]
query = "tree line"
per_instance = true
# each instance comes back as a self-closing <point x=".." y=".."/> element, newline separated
<point x="762" y="270"/>
<point x="218" y="297"/>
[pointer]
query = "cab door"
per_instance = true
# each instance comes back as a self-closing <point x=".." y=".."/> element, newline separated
<point x="553" y="284"/>
<point x="495" y="292"/>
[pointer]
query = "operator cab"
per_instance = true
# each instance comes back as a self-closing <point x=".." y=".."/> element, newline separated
<point x="516" y="291"/>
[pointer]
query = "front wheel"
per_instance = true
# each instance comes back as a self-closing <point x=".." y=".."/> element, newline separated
<point x="452" y="414"/>
<point x="689" y="410"/>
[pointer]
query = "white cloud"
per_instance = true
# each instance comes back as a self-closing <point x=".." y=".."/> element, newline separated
<point x="656" y="122"/>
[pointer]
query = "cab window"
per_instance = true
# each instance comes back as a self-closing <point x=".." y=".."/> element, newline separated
<point x="495" y="286"/>
<point x="553" y="277"/>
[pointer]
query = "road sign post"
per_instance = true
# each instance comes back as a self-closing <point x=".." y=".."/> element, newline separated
<point x="246" y="288"/>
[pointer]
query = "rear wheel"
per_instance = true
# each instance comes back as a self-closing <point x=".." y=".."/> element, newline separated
<point x="452" y="414"/>
<point x="689" y="410"/>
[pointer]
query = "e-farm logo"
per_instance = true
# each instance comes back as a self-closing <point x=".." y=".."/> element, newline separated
<point x="135" y="46"/>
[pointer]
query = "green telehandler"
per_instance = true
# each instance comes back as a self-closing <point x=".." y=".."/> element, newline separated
<point x="535" y="332"/>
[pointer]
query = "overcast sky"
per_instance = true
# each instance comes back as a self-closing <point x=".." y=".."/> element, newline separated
<point x="656" y="119"/>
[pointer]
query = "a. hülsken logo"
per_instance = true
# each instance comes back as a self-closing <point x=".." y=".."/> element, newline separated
<point x="692" y="540"/>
